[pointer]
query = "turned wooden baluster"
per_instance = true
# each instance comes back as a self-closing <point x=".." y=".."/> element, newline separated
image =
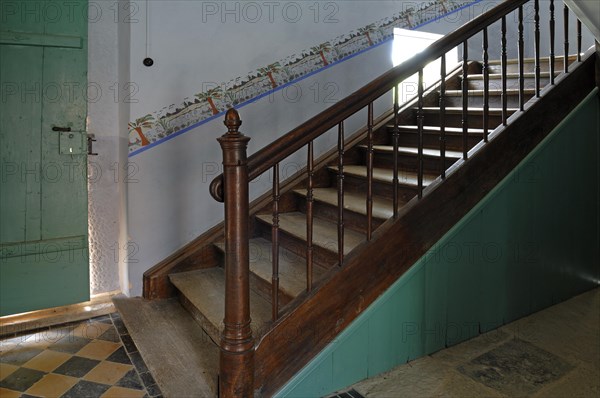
<point x="340" y="192"/>
<point x="369" y="171"/>
<point x="236" y="375"/>
<point x="521" y="62"/>
<point x="275" y="245"/>
<point x="486" y="85"/>
<point x="552" y="34"/>
<point x="537" y="47"/>
<point x="420" y="116"/>
<point x="578" y="40"/>
<point x="465" y="99"/>
<point x="309" y="218"/>
<point x="395" y="138"/>
<point x="566" y="29"/>
<point x="504" y="65"/>
<point x="443" y="116"/>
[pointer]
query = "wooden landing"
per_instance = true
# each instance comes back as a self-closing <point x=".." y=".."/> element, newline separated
<point x="180" y="356"/>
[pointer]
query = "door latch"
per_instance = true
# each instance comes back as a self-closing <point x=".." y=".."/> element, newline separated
<point x="70" y="142"/>
<point x="91" y="138"/>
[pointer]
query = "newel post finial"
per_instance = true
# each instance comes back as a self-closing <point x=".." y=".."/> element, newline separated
<point x="232" y="121"/>
<point x="236" y="362"/>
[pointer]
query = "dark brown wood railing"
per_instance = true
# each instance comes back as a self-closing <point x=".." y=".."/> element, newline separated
<point x="236" y="367"/>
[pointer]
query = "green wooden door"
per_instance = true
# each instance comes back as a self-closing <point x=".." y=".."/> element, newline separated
<point x="43" y="172"/>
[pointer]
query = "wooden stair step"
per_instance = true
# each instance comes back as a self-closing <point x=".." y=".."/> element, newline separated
<point x="353" y="201"/>
<point x="413" y="151"/>
<point x="492" y="92"/>
<point x="324" y="232"/>
<point x="559" y="59"/>
<point x="182" y="358"/>
<point x="203" y="295"/>
<point x="292" y="268"/>
<point x="527" y="75"/>
<point x="476" y="82"/>
<point x="387" y="175"/>
<point x="470" y="110"/>
<point x="512" y="65"/>
<point x="434" y="129"/>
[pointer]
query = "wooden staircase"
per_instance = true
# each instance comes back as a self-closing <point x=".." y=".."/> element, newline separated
<point x="302" y="222"/>
<point x="201" y="291"/>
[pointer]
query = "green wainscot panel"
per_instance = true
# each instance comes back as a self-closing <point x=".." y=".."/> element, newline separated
<point x="49" y="277"/>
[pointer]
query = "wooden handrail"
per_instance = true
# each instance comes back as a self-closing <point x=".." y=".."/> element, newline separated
<point x="297" y="138"/>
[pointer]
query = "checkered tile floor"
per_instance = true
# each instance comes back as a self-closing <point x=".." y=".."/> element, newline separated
<point x="94" y="358"/>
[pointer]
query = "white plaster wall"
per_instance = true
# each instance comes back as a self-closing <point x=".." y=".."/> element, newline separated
<point x="127" y="249"/>
<point x="198" y="43"/>
<point x="587" y="36"/>
<point x="589" y="12"/>
<point x="105" y="184"/>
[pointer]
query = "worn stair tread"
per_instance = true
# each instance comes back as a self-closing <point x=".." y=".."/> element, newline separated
<point x="511" y="61"/>
<point x="387" y="175"/>
<point x="471" y="110"/>
<point x="204" y="289"/>
<point x="512" y="75"/>
<point x="181" y="357"/>
<point x="292" y="268"/>
<point x="324" y="232"/>
<point x="492" y="92"/>
<point x="436" y="129"/>
<point x="413" y="150"/>
<point x="356" y="202"/>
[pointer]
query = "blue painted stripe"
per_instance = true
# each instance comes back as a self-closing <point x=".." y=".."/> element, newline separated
<point x="274" y="90"/>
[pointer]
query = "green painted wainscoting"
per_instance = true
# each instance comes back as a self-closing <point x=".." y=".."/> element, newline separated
<point x="530" y="243"/>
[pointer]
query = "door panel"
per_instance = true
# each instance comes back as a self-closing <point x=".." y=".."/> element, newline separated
<point x="53" y="279"/>
<point x="43" y="191"/>
<point x="19" y="195"/>
<point x="63" y="174"/>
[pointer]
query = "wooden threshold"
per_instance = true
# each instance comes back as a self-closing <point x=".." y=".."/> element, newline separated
<point x="99" y="305"/>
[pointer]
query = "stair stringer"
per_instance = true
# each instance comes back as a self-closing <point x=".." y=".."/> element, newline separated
<point x="374" y="266"/>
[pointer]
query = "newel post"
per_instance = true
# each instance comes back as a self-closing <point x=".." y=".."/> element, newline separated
<point x="236" y="373"/>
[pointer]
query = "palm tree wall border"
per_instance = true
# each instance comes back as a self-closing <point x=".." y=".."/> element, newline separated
<point x="157" y="127"/>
